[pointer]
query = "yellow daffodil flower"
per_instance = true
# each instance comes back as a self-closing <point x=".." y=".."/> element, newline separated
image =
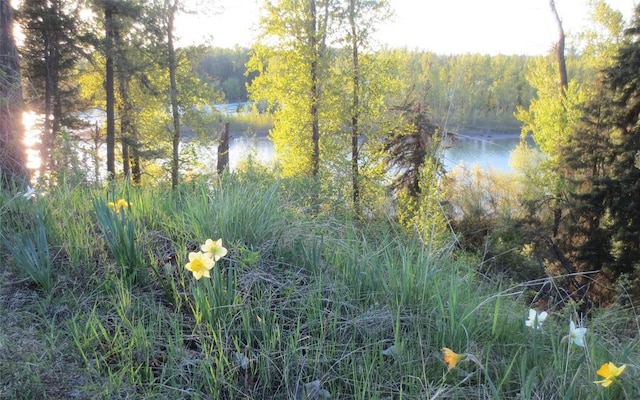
<point x="609" y="372"/>
<point x="200" y="264"/>
<point x="451" y="358"/>
<point x="535" y="319"/>
<point x="577" y="334"/>
<point x="214" y="249"/>
<point x="121" y="204"/>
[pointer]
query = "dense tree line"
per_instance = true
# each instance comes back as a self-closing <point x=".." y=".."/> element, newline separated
<point x="475" y="91"/>
<point x="226" y="70"/>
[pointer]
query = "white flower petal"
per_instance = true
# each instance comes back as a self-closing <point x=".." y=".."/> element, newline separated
<point x="535" y="320"/>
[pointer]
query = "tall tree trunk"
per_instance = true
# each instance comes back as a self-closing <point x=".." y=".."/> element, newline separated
<point x="136" y="170"/>
<point x="223" y="149"/>
<point x="129" y="132"/>
<point x="52" y="103"/>
<point x="562" y="66"/>
<point x="124" y="111"/>
<point x="46" y="146"/>
<point x="56" y="101"/>
<point x="315" y="95"/>
<point x="355" y="116"/>
<point x="564" y="83"/>
<point x="109" y="88"/>
<point x="48" y="54"/>
<point x="12" y="156"/>
<point x="56" y="120"/>
<point x="124" y="106"/>
<point x="173" y="66"/>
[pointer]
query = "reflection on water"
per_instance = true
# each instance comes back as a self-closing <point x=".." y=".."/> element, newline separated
<point x="260" y="148"/>
<point x="240" y="148"/>
<point x="484" y="151"/>
<point x="488" y="152"/>
<point x="32" y="123"/>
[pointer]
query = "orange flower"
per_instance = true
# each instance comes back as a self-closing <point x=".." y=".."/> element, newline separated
<point x="451" y="358"/>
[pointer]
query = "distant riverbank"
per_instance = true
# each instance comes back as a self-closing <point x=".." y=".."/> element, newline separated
<point x="487" y="134"/>
<point x="473" y="134"/>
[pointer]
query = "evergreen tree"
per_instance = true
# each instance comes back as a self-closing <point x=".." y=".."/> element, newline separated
<point x="49" y="54"/>
<point x="411" y="146"/>
<point x="601" y="162"/>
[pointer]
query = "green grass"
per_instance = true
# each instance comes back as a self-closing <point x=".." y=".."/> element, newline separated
<point x="300" y="307"/>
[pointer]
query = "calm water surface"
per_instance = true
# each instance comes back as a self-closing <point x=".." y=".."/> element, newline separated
<point x="488" y="152"/>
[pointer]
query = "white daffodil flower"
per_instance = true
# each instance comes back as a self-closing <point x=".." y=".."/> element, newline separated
<point x="535" y="319"/>
<point x="30" y="193"/>
<point x="577" y="334"/>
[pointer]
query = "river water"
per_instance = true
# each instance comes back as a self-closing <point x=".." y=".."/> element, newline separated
<point x="488" y="151"/>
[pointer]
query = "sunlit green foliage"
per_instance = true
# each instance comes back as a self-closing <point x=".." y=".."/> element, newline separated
<point x="152" y="116"/>
<point x="555" y="111"/>
<point x="293" y="62"/>
<point x="472" y="91"/>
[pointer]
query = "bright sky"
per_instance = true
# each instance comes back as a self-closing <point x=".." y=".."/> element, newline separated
<point x="441" y="26"/>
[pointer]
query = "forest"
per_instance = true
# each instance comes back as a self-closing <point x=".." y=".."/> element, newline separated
<point x="354" y="265"/>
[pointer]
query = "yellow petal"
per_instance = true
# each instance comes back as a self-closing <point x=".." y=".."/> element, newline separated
<point x="604" y="382"/>
<point x="451" y="358"/>
<point x="619" y="370"/>
<point x="609" y="369"/>
<point x="200" y="264"/>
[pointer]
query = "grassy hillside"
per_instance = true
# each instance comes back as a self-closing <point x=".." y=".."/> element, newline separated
<point x="96" y="303"/>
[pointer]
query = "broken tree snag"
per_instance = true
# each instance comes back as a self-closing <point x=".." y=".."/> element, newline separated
<point x="562" y="66"/>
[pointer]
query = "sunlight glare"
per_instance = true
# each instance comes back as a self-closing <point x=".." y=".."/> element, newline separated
<point x="32" y="138"/>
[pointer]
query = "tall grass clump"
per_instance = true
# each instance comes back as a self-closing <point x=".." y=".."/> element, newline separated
<point x="119" y="230"/>
<point x="245" y="212"/>
<point x="71" y="224"/>
<point x="30" y="251"/>
<point x="130" y="344"/>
